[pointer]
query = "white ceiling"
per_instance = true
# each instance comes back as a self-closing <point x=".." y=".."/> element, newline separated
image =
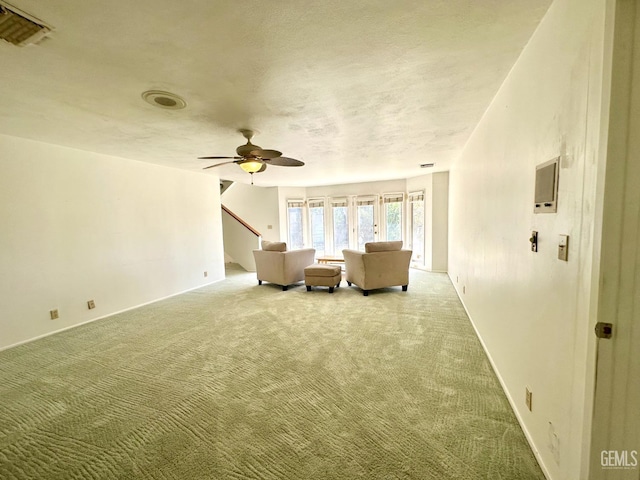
<point x="359" y="90"/>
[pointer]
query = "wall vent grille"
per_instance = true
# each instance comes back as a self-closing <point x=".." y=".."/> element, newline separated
<point x="19" y="30"/>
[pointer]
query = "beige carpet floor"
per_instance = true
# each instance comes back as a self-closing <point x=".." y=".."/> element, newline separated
<point x="240" y="381"/>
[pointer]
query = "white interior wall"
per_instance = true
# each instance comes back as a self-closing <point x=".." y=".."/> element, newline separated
<point x="531" y="310"/>
<point x="440" y="222"/>
<point x="436" y="209"/>
<point x="258" y="206"/>
<point x="78" y="226"/>
<point x="365" y="188"/>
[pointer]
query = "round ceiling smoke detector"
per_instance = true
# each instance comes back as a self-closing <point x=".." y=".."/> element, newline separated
<point x="161" y="99"/>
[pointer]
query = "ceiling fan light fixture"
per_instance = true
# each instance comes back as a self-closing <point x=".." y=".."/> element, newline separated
<point x="251" y="165"/>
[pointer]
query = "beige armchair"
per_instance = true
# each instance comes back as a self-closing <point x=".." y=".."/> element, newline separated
<point x="382" y="264"/>
<point x="276" y="264"/>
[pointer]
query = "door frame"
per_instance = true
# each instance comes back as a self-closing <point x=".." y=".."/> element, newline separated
<point x="614" y="423"/>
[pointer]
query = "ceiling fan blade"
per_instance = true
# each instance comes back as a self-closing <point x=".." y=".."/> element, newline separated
<point x="284" y="162"/>
<point x="218" y="164"/>
<point x="264" y="167"/>
<point x="265" y="153"/>
<point x="218" y="158"/>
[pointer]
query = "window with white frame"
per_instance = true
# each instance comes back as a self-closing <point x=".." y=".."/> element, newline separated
<point x="416" y="226"/>
<point x="340" y="224"/>
<point x="366" y="214"/>
<point x="316" y="225"/>
<point x="330" y="225"/>
<point x="295" y="224"/>
<point x="393" y="203"/>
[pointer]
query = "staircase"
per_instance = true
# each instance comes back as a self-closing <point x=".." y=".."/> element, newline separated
<point x="224" y="185"/>
<point x="239" y="238"/>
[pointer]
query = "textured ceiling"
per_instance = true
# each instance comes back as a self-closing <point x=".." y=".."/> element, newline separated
<point x="359" y="90"/>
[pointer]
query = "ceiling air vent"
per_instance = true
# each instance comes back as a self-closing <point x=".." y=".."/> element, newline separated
<point x="19" y="30"/>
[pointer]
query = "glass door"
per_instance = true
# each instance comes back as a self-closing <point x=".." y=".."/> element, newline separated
<point x="316" y="225"/>
<point x="393" y="203"/>
<point x="295" y="223"/>
<point x="366" y="220"/>
<point x="340" y="225"/>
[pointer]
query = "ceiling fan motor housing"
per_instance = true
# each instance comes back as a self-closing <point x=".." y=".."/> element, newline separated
<point x="245" y="150"/>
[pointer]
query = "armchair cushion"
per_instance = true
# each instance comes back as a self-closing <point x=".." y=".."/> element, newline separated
<point x="274" y="246"/>
<point x="371" y="247"/>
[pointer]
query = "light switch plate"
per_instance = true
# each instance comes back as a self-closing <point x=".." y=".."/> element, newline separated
<point x="563" y="248"/>
<point x="534" y="241"/>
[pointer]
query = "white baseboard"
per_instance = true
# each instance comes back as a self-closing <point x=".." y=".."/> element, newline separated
<point x="527" y="435"/>
<point x="22" y="342"/>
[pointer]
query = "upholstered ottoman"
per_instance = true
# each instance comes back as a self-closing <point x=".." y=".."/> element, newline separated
<point x="322" y="276"/>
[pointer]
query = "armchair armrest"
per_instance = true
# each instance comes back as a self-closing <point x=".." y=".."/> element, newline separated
<point x="294" y="263"/>
<point x="269" y="266"/>
<point x="354" y="266"/>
